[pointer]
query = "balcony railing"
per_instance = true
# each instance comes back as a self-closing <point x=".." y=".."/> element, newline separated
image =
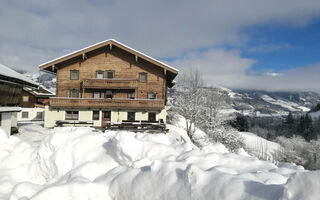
<point x="63" y="102"/>
<point x="96" y="83"/>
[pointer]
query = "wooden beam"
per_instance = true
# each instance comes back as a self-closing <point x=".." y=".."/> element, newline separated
<point x="53" y="67"/>
<point x="136" y="58"/>
<point x="110" y="46"/>
<point x="84" y="56"/>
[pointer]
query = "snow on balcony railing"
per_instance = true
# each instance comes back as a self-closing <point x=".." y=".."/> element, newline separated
<point x="108" y="103"/>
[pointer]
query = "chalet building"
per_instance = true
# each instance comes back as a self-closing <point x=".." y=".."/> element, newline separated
<point x="33" y="101"/>
<point x="11" y="84"/>
<point x="108" y="82"/>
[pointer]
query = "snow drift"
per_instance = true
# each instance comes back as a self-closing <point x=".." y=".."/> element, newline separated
<point x="80" y="163"/>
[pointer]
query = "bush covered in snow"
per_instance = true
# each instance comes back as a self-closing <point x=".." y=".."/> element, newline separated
<point x="298" y="150"/>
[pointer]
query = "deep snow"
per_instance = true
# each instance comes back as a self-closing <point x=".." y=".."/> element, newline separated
<point x="81" y="163"/>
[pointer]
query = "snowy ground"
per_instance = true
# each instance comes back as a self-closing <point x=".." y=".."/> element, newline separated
<point x="81" y="163"/>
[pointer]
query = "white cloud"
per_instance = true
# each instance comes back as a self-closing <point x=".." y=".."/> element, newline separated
<point x="35" y="31"/>
<point x="220" y="67"/>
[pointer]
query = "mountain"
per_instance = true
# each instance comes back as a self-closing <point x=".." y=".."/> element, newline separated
<point x="247" y="102"/>
<point x="266" y="103"/>
<point x="45" y="79"/>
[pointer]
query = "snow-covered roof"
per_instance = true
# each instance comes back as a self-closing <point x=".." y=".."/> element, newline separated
<point x="10" y="109"/>
<point x="36" y="91"/>
<point x="17" y="77"/>
<point x="106" y="42"/>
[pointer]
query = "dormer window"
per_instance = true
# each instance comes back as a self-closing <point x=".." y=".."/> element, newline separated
<point x="74" y="74"/>
<point x="99" y="74"/>
<point x="143" y="77"/>
<point x="110" y="74"/>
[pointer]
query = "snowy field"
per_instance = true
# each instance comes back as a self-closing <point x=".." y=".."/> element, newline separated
<point x="82" y="163"/>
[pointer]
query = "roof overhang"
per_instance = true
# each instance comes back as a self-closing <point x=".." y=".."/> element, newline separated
<point x="50" y="66"/>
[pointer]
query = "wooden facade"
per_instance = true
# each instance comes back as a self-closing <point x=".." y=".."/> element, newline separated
<point x="110" y="75"/>
<point x="10" y="93"/>
<point x="36" y="97"/>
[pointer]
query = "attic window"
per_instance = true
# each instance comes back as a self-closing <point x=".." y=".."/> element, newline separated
<point x="143" y="77"/>
<point x="74" y="74"/>
<point x="99" y="74"/>
<point x="110" y="74"/>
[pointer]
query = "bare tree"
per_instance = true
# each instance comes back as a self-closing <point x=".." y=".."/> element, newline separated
<point x="188" y="99"/>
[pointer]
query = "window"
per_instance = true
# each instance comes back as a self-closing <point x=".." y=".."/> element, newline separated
<point x="74" y="74"/>
<point x="109" y="94"/>
<point x="39" y="115"/>
<point x="72" y="115"/>
<point x="131" y="116"/>
<point x="95" y="115"/>
<point x="96" y="95"/>
<point x="110" y="74"/>
<point x="25" y="115"/>
<point x="130" y="95"/>
<point x="74" y="93"/>
<point x="99" y="74"/>
<point x="25" y="99"/>
<point x="143" y="77"/>
<point x="152" y="116"/>
<point x="152" y="95"/>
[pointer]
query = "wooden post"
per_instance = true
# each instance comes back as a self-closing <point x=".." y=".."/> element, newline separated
<point x="136" y="58"/>
<point x="110" y="46"/>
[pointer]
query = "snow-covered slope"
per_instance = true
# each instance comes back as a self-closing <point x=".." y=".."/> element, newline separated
<point x="260" y="147"/>
<point x="264" y="103"/>
<point x="81" y="163"/>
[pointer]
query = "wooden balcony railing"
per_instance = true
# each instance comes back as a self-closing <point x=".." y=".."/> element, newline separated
<point x="64" y="102"/>
<point x="110" y="83"/>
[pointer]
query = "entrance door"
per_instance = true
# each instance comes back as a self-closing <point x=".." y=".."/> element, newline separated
<point x="152" y="116"/>
<point x="106" y="117"/>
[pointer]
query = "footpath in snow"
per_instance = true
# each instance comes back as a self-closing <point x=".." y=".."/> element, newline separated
<point x="81" y="163"/>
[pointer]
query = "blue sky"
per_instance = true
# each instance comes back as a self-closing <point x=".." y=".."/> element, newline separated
<point x="289" y="47"/>
<point x="266" y="44"/>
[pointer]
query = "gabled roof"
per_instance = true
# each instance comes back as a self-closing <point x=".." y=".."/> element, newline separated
<point x="46" y="65"/>
<point x="9" y="74"/>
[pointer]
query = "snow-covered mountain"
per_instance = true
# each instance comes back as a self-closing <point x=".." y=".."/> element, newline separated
<point x="45" y="79"/>
<point x="264" y="103"/>
<point x="248" y="102"/>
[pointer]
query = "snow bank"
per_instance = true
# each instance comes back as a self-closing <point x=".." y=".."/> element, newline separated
<point x="81" y="163"/>
<point x="303" y="186"/>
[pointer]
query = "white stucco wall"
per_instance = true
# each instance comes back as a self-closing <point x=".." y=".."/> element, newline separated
<point x="8" y="120"/>
<point x="52" y="115"/>
<point x="32" y="114"/>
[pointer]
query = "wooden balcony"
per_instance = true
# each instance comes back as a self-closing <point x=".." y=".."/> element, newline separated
<point x="64" y="102"/>
<point x="104" y="83"/>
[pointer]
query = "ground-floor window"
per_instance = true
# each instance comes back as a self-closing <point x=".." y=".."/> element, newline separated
<point x="95" y="115"/>
<point x="131" y="116"/>
<point x="72" y="115"/>
<point x="25" y="115"/>
<point x="39" y="115"/>
<point x="152" y="116"/>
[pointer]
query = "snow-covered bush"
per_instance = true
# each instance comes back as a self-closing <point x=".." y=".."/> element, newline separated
<point x="297" y="150"/>
<point x="231" y="139"/>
